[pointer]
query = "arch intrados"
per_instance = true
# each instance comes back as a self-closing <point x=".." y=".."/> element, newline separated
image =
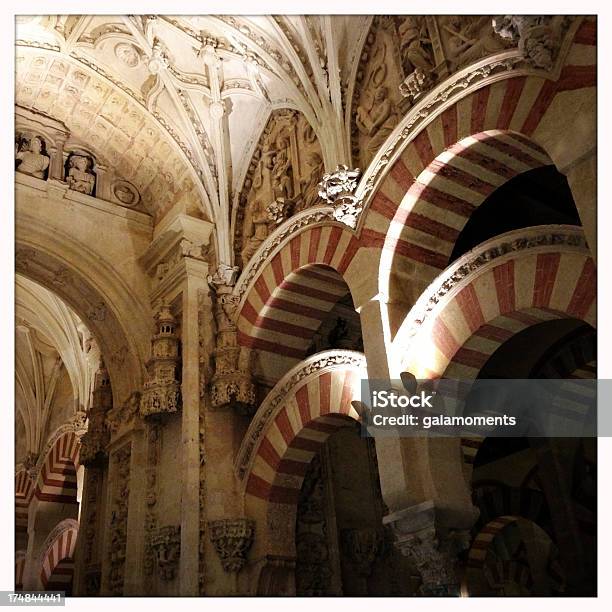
<point x="94" y="306"/>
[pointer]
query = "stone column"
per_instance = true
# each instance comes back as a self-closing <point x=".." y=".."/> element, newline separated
<point x="103" y="179"/>
<point x="88" y="554"/>
<point x="226" y="402"/>
<point x="190" y="434"/>
<point x="56" y="163"/>
<point x="177" y="263"/>
<point x="432" y="546"/>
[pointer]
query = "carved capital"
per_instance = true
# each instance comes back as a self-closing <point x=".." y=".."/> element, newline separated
<point x="232" y="539"/>
<point x="224" y="275"/>
<point x="231" y="383"/>
<point x="433" y="548"/>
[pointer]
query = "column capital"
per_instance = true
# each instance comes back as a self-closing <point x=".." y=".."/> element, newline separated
<point x="432" y="544"/>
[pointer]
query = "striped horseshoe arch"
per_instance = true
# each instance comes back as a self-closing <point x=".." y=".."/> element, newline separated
<point x="549" y="274"/>
<point x="497" y="559"/>
<point x="57" y="564"/>
<point x="440" y="200"/>
<point x="57" y="481"/>
<point x="24" y="491"/>
<point x="293" y="294"/>
<point x="448" y="168"/>
<point x="300" y="413"/>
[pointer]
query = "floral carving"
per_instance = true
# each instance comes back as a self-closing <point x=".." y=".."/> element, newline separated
<point x="337" y="188"/>
<point x="232" y="539"/>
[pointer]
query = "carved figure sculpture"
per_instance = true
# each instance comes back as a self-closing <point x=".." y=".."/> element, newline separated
<point x="310" y="186"/>
<point x="281" y="175"/>
<point x="34" y="160"/>
<point x="415" y="45"/>
<point x="378" y="121"/>
<point x="469" y="38"/>
<point x="80" y="176"/>
<point x="255" y="230"/>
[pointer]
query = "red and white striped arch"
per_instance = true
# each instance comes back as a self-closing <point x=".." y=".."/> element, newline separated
<point x="293" y="293"/>
<point x="439" y="202"/>
<point x="61" y="550"/>
<point x="487" y="570"/>
<point x="439" y="176"/>
<point x="519" y="104"/>
<point x="24" y="491"/>
<point x="57" y="480"/>
<point x="500" y="570"/>
<point x="300" y="413"/>
<point x="539" y="282"/>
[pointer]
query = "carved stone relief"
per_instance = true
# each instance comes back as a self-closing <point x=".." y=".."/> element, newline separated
<point x="80" y="175"/>
<point x="118" y="519"/>
<point x="403" y="58"/>
<point x="89" y="532"/>
<point x="125" y="193"/>
<point x="282" y="179"/>
<point x="124" y="416"/>
<point x="162" y="390"/>
<point x="31" y="155"/>
<point x="467" y="38"/>
<point x="151" y="475"/>
<point x="128" y="54"/>
<point x="166" y="544"/>
<point x="95" y="441"/>
<point x="313" y="571"/>
<point x="231" y="382"/>
<point x="232" y="539"/>
<point x="377" y="98"/>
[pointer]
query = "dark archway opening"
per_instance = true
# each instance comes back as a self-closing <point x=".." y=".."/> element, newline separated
<point x="538" y="197"/>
